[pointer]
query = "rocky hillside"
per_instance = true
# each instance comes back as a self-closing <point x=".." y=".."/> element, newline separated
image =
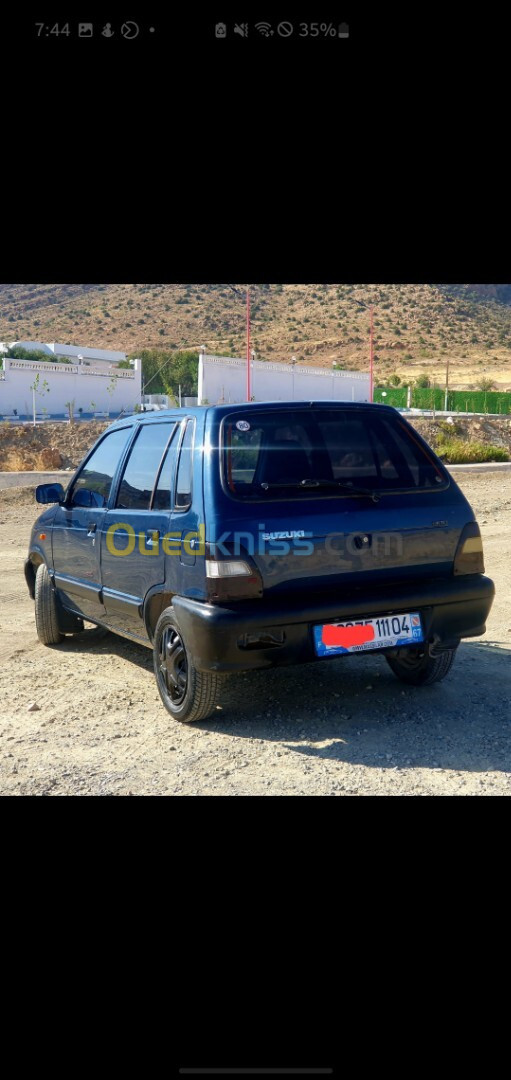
<point x="501" y="293"/>
<point x="417" y="327"/>
<point x="48" y="446"/>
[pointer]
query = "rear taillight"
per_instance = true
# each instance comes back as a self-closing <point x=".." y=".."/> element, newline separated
<point x="232" y="579"/>
<point x="228" y="568"/>
<point x="469" y="558"/>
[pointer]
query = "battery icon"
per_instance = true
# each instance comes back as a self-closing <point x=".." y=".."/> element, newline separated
<point x="344" y="30"/>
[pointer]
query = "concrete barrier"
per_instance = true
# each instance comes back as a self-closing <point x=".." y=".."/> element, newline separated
<point x="483" y="466"/>
<point x="32" y="479"/>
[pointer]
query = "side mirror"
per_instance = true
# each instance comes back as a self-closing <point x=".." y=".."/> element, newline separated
<point x="49" y="493"/>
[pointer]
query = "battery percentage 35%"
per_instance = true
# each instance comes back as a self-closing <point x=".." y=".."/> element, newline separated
<point x="318" y="30"/>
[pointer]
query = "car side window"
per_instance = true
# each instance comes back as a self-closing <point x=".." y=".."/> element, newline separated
<point x="184" y="469"/>
<point x="141" y="470"/>
<point x="93" y="484"/>
<point x="165" y="487"/>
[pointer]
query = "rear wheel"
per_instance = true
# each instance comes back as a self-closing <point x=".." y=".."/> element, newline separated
<point x="418" y="668"/>
<point x="187" y="694"/>
<point x="46" y="611"/>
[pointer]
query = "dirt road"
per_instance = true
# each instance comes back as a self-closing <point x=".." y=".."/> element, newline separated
<point x="345" y="727"/>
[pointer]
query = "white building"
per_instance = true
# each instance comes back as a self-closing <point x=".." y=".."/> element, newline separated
<point x="76" y="353"/>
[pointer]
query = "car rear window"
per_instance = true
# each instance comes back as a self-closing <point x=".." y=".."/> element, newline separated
<point x="276" y="452"/>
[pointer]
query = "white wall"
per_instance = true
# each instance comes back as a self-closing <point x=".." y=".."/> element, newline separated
<point x="67" y="382"/>
<point x="224" y="379"/>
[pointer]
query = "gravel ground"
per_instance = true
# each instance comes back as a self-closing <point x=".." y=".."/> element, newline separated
<point x="345" y="727"/>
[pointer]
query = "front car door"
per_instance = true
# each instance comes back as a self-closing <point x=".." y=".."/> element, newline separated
<point x="77" y="527"/>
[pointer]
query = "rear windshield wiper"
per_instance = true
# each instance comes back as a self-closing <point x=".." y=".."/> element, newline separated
<point x="374" y="495"/>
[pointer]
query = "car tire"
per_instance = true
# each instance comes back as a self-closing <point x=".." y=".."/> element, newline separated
<point x="46" y="610"/>
<point x="187" y="694"/>
<point x="418" y="668"/>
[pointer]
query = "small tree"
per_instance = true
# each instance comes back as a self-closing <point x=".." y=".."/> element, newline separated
<point x="70" y="406"/>
<point x="40" y="388"/>
<point x="423" y="382"/>
<point x="485" y="385"/>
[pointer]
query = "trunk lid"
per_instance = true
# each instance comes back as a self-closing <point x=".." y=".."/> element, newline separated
<point x="351" y="541"/>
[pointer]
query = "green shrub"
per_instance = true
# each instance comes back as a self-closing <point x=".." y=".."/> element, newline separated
<point x="457" y="452"/>
<point x="450" y="429"/>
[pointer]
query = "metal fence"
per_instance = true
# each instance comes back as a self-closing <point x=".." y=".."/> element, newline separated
<point x="463" y="401"/>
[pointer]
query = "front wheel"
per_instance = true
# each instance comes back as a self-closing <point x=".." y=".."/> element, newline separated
<point x="46" y="611"/>
<point x="418" y="668"/>
<point x="187" y="694"/>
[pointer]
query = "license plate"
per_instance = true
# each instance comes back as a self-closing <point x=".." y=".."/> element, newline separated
<point x="362" y="635"/>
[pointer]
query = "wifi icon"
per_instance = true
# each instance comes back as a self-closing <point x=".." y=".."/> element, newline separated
<point x="265" y="29"/>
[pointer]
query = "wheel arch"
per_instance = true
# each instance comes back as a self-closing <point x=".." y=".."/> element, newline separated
<point x="32" y="564"/>
<point x="155" y="602"/>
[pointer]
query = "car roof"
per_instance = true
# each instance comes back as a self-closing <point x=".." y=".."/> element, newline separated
<point x="219" y="411"/>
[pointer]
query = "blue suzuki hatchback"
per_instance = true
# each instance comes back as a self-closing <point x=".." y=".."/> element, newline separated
<point x="246" y="536"/>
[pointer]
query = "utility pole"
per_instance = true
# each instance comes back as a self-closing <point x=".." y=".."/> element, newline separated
<point x="249" y="389"/>
<point x="447" y="386"/>
<point x="253" y="358"/>
<point x="371" y="347"/>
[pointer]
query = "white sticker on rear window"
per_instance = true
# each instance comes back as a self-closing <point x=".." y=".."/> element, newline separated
<point x="243" y="425"/>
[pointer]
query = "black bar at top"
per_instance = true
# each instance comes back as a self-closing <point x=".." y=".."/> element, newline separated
<point x="256" y="1072"/>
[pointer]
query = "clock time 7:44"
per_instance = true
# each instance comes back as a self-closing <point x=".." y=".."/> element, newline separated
<point x="56" y="30"/>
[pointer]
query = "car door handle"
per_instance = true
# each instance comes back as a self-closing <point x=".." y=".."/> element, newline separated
<point x="152" y="537"/>
<point x="92" y="528"/>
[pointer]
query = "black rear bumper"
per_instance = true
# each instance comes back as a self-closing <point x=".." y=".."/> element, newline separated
<point x="260" y="634"/>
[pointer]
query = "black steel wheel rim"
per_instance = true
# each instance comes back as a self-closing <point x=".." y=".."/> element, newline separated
<point x="411" y="658"/>
<point x="172" y="665"/>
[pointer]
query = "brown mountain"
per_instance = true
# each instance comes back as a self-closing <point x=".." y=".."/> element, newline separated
<point x="417" y="327"/>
